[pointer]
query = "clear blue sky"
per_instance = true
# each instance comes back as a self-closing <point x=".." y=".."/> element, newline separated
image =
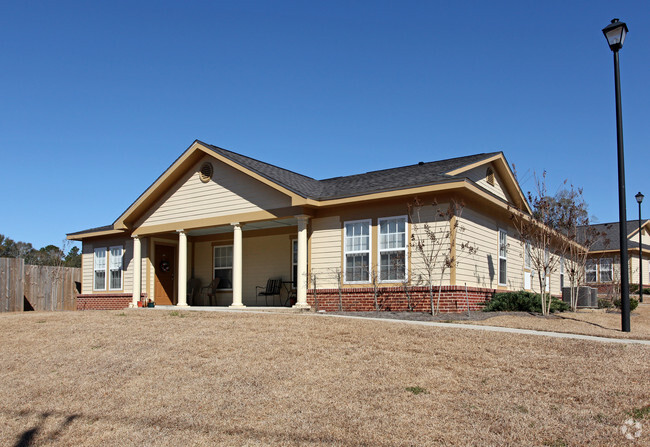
<point x="97" y="99"/>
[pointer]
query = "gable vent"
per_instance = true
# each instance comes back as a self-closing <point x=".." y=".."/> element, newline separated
<point x="489" y="176"/>
<point x="206" y="171"/>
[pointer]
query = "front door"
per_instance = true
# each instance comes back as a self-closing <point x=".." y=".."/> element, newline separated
<point x="164" y="288"/>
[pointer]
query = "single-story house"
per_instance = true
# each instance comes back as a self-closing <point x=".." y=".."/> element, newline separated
<point x="216" y="214"/>
<point x="603" y="262"/>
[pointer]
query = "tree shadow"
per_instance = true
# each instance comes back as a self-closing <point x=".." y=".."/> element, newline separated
<point x="26" y="439"/>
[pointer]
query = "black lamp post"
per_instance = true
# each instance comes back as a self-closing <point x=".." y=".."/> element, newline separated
<point x="615" y="33"/>
<point x="639" y="199"/>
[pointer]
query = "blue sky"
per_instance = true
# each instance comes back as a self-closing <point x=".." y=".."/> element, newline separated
<point x="97" y="99"/>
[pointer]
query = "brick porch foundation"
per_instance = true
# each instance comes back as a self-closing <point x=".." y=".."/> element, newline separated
<point x="452" y="299"/>
<point x="105" y="301"/>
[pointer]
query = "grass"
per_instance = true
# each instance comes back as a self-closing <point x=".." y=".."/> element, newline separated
<point x="585" y="322"/>
<point x="88" y="378"/>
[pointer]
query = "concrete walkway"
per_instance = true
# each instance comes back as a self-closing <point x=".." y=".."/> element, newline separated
<point x="475" y="327"/>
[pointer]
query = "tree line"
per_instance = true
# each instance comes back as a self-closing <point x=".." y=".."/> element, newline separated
<point x="48" y="255"/>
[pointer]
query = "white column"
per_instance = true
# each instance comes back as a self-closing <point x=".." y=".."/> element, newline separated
<point x="301" y="299"/>
<point x="237" y="267"/>
<point x="137" y="270"/>
<point x="182" y="268"/>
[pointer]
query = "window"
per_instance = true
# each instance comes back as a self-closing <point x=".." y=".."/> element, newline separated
<point x="115" y="268"/>
<point x="561" y="273"/>
<point x="223" y="266"/>
<point x="606" y="270"/>
<point x="100" y="269"/>
<point x="357" y="251"/>
<point x="392" y="248"/>
<point x="590" y="271"/>
<point x="503" y="252"/>
<point x="294" y="263"/>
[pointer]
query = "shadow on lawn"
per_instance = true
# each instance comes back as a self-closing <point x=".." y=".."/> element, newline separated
<point x="27" y="437"/>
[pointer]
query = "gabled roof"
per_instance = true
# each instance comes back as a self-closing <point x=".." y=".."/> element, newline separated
<point x="305" y="190"/>
<point x="609" y="238"/>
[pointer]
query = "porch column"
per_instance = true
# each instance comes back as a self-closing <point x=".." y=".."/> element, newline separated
<point x="182" y="268"/>
<point x="137" y="270"/>
<point x="301" y="283"/>
<point x="237" y="267"/>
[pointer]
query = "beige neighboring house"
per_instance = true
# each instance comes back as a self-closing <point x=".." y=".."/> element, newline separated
<point x="604" y="261"/>
<point x="218" y="214"/>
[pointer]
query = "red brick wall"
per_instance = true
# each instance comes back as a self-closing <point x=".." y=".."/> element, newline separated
<point x="112" y="301"/>
<point x="452" y="299"/>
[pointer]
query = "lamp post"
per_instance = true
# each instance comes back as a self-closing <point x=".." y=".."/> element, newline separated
<point x="639" y="199"/>
<point x="615" y="34"/>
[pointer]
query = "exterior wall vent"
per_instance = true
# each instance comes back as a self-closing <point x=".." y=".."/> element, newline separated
<point x="206" y="171"/>
<point x="489" y="176"/>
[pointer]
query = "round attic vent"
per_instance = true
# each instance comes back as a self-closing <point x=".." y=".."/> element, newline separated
<point x="205" y="173"/>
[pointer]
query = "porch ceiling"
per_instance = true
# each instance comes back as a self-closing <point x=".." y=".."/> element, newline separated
<point x="290" y="222"/>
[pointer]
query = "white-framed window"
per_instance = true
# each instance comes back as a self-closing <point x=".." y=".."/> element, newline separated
<point x="503" y="257"/>
<point x="294" y="263"/>
<point x="356" y="251"/>
<point x="590" y="271"/>
<point x="222" y="261"/>
<point x="392" y="248"/>
<point x="547" y="280"/>
<point x="561" y="273"/>
<point x="606" y="270"/>
<point x="99" y="282"/>
<point x="115" y="258"/>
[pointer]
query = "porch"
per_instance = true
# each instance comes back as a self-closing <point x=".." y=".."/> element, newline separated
<point x="242" y="255"/>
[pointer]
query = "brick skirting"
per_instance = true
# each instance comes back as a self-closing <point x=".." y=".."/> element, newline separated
<point x="452" y="299"/>
<point x="105" y="301"/>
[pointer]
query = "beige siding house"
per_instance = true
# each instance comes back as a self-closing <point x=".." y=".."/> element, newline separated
<point x="603" y="263"/>
<point x="341" y="242"/>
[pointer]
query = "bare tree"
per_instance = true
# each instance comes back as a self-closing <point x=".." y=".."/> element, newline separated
<point x="433" y="240"/>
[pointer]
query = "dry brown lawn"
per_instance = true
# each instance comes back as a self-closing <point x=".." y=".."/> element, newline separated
<point x="154" y="377"/>
<point x="585" y="322"/>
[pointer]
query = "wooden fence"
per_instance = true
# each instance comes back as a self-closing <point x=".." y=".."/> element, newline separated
<point x="37" y="287"/>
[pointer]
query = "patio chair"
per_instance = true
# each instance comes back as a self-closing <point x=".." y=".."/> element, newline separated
<point x="211" y="292"/>
<point x="193" y="290"/>
<point x="273" y="287"/>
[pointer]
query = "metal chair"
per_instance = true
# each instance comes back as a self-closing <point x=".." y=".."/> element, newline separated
<point x="193" y="289"/>
<point x="273" y="287"/>
<point x="211" y="291"/>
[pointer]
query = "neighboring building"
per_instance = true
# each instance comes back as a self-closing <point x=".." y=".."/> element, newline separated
<point x="603" y="263"/>
<point x="218" y="214"/>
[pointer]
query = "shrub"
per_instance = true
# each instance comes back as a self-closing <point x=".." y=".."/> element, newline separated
<point x="521" y="301"/>
<point x="605" y="303"/>
<point x="633" y="303"/>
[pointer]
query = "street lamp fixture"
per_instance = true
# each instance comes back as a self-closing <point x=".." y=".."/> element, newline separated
<point x="639" y="199"/>
<point x="615" y="33"/>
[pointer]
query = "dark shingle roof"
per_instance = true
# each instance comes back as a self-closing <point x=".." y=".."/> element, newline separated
<point x="351" y="185"/>
<point x="420" y="174"/>
<point x="609" y="238"/>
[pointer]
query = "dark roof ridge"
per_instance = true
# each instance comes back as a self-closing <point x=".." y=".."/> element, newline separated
<point x="413" y="165"/>
<point x="255" y="159"/>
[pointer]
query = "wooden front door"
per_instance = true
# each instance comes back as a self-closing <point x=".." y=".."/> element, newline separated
<point x="164" y="287"/>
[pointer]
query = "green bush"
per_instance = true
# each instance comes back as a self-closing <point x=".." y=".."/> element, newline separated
<point x="521" y="301"/>
<point x="606" y="303"/>
<point x="633" y="303"/>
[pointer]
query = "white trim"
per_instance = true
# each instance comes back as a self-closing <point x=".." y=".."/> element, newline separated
<point x="121" y="268"/>
<point x="214" y="247"/>
<point x="345" y="252"/>
<point x="499" y="231"/>
<point x="405" y="249"/>
<point x="611" y="270"/>
<point x="97" y="268"/>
